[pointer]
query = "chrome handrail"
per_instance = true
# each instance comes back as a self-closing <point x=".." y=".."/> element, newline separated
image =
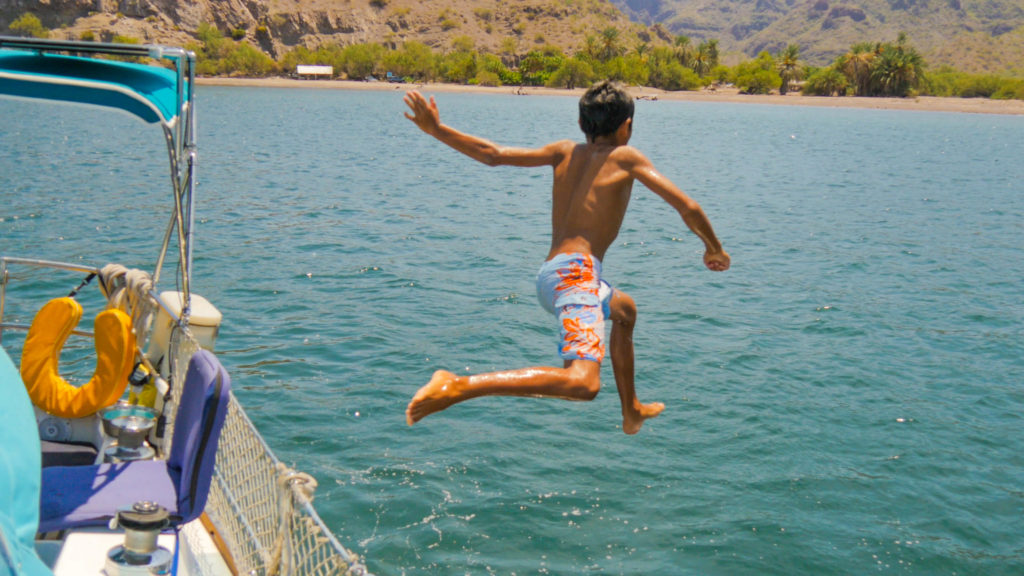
<point x="5" y="261"/>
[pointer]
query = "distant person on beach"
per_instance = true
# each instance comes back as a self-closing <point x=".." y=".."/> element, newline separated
<point x="590" y="193"/>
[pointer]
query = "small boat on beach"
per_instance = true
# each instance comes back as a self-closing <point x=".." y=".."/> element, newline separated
<point x="151" y="466"/>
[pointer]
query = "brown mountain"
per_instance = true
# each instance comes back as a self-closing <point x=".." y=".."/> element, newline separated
<point x="972" y="35"/>
<point x="277" y="25"/>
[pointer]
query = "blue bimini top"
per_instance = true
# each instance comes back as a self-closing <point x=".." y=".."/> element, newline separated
<point x="149" y="92"/>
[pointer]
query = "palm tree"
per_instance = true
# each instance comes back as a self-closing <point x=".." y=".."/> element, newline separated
<point x="788" y="65"/>
<point x="700" y="63"/>
<point x="711" y="47"/>
<point x="590" y="47"/>
<point x="610" y="43"/>
<point x="641" y="50"/>
<point x="897" y="71"/>
<point x="856" y="65"/>
<point x="706" y="57"/>
<point x="683" y="50"/>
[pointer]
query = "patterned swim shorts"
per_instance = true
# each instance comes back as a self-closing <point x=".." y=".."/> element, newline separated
<point x="570" y="287"/>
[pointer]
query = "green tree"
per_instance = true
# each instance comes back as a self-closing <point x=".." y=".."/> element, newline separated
<point x="538" y="66"/>
<point x="1010" y="89"/>
<point x="826" y="81"/>
<point x="757" y="76"/>
<point x="641" y="49"/>
<point x="898" y="70"/>
<point x="413" y="60"/>
<point x="572" y="73"/>
<point x="246" y="60"/>
<point x="210" y="51"/>
<point x="610" y="47"/>
<point x="28" y="24"/>
<point x="711" y="46"/>
<point x="298" y="55"/>
<point x="947" y="82"/>
<point x="788" y="66"/>
<point x="463" y="43"/>
<point x="856" y="65"/>
<point x="218" y="55"/>
<point x="705" y="58"/>
<point x="630" y="69"/>
<point x="683" y="50"/>
<point x="493" y="66"/>
<point x="882" y="69"/>
<point x="458" y="67"/>
<point x="721" y="74"/>
<point x="510" y="50"/>
<point x="485" y="78"/>
<point x="665" y="71"/>
<point x="591" y="48"/>
<point x="362" y="60"/>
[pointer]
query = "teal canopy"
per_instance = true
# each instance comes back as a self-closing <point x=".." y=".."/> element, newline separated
<point x="149" y="92"/>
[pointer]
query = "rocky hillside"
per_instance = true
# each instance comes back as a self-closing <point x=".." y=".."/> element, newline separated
<point x="496" y="26"/>
<point x="972" y="35"/>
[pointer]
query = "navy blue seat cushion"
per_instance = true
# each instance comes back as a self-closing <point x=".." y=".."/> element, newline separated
<point x="90" y="495"/>
<point x="201" y="415"/>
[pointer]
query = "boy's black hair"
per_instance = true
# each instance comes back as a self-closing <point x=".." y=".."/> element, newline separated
<point x="603" y="108"/>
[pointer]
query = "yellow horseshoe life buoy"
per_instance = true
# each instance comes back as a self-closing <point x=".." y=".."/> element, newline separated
<point x="115" y="357"/>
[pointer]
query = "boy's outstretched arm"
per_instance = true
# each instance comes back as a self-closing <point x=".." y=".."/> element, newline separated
<point x="426" y="116"/>
<point x="715" y="258"/>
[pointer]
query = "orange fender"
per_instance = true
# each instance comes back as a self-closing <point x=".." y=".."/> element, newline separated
<point x="115" y="358"/>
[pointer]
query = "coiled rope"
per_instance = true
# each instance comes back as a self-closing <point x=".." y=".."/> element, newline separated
<point x="290" y="484"/>
<point x="129" y="290"/>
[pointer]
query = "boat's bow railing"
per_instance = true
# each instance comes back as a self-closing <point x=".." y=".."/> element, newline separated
<point x="260" y="508"/>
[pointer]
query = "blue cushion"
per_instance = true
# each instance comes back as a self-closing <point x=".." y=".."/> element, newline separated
<point x="201" y="413"/>
<point x="91" y="495"/>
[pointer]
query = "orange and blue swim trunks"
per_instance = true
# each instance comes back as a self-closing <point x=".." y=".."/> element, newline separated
<point x="570" y="287"/>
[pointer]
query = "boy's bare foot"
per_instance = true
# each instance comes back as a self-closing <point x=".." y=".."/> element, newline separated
<point x="435" y="396"/>
<point x="632" y="421"/>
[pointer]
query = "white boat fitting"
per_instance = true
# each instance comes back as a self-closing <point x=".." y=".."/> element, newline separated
<point x="152" y="466"/>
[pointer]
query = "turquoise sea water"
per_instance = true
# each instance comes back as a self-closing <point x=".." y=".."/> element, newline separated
<point x="846" y="400"/>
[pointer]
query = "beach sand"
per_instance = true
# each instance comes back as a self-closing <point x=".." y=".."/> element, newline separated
<point x="921" y="103"/>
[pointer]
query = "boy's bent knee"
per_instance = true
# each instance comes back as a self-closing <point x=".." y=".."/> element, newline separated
<point x="584" y="379"/>
<point x="623" y="309"/>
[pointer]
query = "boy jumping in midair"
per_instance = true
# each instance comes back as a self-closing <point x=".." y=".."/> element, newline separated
<point x="591" y="190"/>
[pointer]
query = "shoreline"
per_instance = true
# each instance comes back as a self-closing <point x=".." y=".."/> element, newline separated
<point x="920" y="103"/>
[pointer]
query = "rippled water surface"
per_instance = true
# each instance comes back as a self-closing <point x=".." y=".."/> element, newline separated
<point x="846" y="400"/>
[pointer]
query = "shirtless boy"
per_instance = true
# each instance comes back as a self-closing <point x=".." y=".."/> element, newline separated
<point x="592" y="186"/>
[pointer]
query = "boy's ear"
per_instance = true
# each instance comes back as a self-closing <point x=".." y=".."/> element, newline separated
<point x="626" y="128"/>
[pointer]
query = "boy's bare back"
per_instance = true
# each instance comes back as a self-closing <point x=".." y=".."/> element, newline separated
<point x="590" y="194"/>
